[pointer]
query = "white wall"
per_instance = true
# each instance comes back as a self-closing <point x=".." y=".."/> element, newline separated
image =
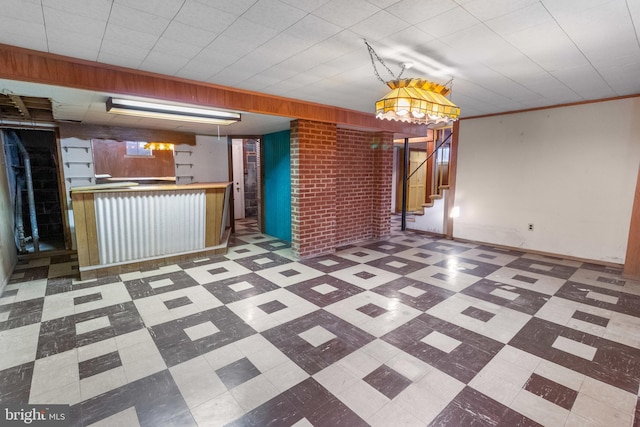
<point x="433" y="219"/>
<point x="570" y="171"/>
<point x="209" y="158"/>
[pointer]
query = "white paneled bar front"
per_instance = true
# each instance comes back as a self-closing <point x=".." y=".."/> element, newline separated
<point x="118" y="229"/>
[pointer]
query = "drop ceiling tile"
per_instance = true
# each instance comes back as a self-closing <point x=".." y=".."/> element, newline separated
<point x="312" y="29"/>
<point x="383" y="4"/>
<point x="303" y="61"/>
<point x="278" y="73"/>
<point x="164" y="8"/>
<point x="199" y="70"/>
<point x="550" y="56"/>
<point x="485" y="10"/>
<point x="520" y="19"/>
<point x="585" y="81"/>
<point x="280" y="48"/>
<point x="98" y="10"/>
<point x="235" y="7"/>
<point x="410" y="37"/>
<point x="134" y="19"/>
<point x="448" y="23"/>
<point x="306" y="5"/>
<point x="249" y="33"/>
<point x="344" y="13"/>
<point x="612" y="54"/>
<point x="120" y="60"/>
<point x="22" y="10"/>
<point x="121" y="36"/>
<point x="564" y="8"/>
<point x="274" y="14"/>
<point x="223" y="51"/>
<point x="22" y="33"/>
<point x="623" y="78"/>
<point x="204" y="16"/>
<point x="172" y="48"/>
<point x="416" y="11"/>
<point x="231" y="76"/>
<point x="379" y="26"/>
<point x="189" y="34"/>
<point x="192" y="74"/>
<point x="158" y="62"/>
<point x="64" y="21"/>
<point x="61" y="40"/>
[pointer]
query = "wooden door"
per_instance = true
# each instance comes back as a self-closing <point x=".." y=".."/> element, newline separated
<point x="417" y="181"/>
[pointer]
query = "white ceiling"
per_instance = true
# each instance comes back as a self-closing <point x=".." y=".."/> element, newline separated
<point x="502" y="55"/>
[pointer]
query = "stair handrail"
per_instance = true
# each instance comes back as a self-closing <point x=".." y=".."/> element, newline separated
<point x="429" y="156"/>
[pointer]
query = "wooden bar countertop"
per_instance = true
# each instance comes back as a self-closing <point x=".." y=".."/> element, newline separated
<point x="135" y="187"/>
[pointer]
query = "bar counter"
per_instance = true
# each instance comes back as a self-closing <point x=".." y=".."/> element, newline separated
<point x="123" y="227"/>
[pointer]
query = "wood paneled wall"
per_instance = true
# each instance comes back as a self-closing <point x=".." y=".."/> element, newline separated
<point x="110" y="157"/>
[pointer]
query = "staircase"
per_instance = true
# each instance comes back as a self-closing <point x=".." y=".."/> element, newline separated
<point x="432" y="217"/>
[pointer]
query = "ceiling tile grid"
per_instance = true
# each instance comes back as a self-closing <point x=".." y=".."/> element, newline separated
<point x="503" y="55"/>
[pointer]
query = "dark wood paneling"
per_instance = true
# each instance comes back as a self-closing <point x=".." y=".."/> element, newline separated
<point x="39" y="67"/>
<point x="110" y="157"/>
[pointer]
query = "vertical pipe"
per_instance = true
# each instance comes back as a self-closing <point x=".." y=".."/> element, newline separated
<point x="32" y="202"/>
<point x="18" y="217"/>
<point x="405" y="180"/>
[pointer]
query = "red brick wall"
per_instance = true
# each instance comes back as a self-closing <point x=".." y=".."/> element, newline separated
<point x="313" y="187"/>
<point x="340" y="186"/>
<point x="382" y="185"/>
<point x="365" y="166"/>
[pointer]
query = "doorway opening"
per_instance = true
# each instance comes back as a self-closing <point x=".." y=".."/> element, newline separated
<point x="32" y="168"/>
<point x="246" y="177"/>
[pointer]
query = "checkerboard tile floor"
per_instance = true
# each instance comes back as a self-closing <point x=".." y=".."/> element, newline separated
<point x="410" y="330"/>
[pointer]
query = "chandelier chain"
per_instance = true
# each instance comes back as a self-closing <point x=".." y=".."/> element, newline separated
<point x="372" y="54"/>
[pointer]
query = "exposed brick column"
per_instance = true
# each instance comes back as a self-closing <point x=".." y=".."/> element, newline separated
<point x="313" y="187"/>
<point x="382" y="184"/>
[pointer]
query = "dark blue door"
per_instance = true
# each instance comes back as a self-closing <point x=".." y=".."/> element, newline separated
<point x="277" y="185"/>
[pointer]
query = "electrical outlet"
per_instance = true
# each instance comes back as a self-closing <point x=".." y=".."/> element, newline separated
<point x="530" y="227"/>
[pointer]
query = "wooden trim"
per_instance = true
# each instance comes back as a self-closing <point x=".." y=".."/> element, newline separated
<point x="431" y="146"/>
<point x="46" y="68"/>
<point x="632" y="259"/>
<point x="549" y="107"/>
<point x="453" y="169"/>
<point x="132" y="188"/>
<point x="214" y="211"/>
<point x="84" y="215"/>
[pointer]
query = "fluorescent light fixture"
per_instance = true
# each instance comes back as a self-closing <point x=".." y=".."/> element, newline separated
<point x="155" y="110"/>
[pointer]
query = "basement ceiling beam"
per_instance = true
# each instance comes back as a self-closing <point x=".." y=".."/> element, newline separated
<point x="46" y="68"/>
<point x="17" y="101"/>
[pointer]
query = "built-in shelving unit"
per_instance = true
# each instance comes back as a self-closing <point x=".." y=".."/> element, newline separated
<point x="184" y="164"/>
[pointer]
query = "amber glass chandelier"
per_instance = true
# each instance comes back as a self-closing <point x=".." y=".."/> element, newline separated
<point x="417" y="101"/>
<point x="414" y="100"/>
<point x="158" y="146"/>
